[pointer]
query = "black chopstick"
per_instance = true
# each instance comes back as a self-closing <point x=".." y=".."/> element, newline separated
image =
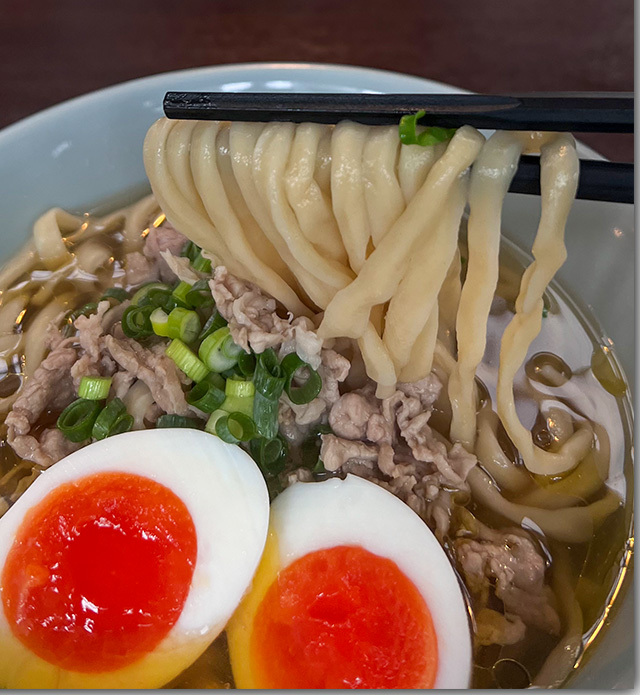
<point x="583" y="113"/>
<point x="610" y="182"/>
<point x="599" y="180"/>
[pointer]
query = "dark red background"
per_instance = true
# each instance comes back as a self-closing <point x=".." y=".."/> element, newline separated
<point x="51" y="50"/>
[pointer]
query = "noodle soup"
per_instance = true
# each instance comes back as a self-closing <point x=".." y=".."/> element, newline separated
<point x="571" y="524"/>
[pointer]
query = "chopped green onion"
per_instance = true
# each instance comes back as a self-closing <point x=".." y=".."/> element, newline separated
<point x="136" y="321"/>
<point x="239" y="404"/>
<point x="186" y="360"/>
<point x="235" y="427"/>
<point x="213" y="323"/>
<point x="311" y="387"/>
<point x="218" y="351"/>
<point x="201" y="264"/>
<point x="183" y="324"/>
<point x="270" y="455"/>
<point x="239" y="387"/>
<point x="206" y="397"/>
<point x="190" y="251"/>
<point x="319" y="467"/>
<point x="210" y="427"/>
<point x="159" y="322"/>
<point x="269" y="379"/>
<point x="152" y="293"/>
<point x="246" y="365"/>
<point x="431" y="136"/>
<point x="117" y="293"/>
<point x="95" y="388"/>
<point x="165" y="421"/>
<point x="180" y="292"/>
<point x="113" y="419"/>
<point x="76" y="420"/>
<point x="269" y="376"/>
<point x="199" y="295"/>
<point x="216" y="379"/>
<point x="545" y="312"/>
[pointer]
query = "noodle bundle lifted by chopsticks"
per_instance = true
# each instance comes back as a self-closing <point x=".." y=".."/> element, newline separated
<point x="346" y="224"/>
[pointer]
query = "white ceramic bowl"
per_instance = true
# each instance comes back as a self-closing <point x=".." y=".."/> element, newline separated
<point x="89" y="149"/>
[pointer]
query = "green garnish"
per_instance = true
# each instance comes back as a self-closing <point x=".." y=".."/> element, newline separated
<point x="431" y="136"/>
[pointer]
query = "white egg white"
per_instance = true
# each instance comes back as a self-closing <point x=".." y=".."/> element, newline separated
<point x="311" y="516"/>
<point x="227" y="498"/>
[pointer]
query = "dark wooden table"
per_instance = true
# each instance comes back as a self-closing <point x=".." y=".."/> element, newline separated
<point x="53" y="50"/>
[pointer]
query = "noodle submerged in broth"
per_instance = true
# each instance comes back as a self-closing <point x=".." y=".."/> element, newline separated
<point x="456" y="373"/>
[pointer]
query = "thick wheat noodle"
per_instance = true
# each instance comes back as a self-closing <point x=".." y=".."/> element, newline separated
<point x="382" y="192"/>
<point x="378" y="362"/>
<point x="422" y="352"/>
<point x="34" y="345"/>
<point x="243" y="140"/>
<point x="414" y="165"/>
<point x="257" y="238"/>
<point x="416" y="296"/>
<point x="136" y="219"/>
<point x="18" y="265"/>
<point x="491" y="177"/>
<point x="571" y="524"/>
<point x="92" y="255"/>
<point x="11" y="308"/>
<point x="178" y="154"/>
<point x="449" y="301"/>
<point x="275" y="145"/>
<point x="186" y="220"/>
<point x="311" y="205"/>
<point x="347" y="190"/>
<point x="379" y="277"/>
<point x="48" y="232"/>
<point x="558" y="182"/>
<point x="204" y="167"/>
<point x="509" y="476"/>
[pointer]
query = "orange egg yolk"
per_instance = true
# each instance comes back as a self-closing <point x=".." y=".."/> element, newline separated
<point x="99" y="571"/>
<point x="344" y="618"/>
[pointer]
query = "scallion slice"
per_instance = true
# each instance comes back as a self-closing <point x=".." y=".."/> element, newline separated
<point x="242" y="388"/>
<point x="186" y="360"/>
<point x="180" y="292"/>
<point x="305" y="393"/>
<point x="183" y="324"/>
<point x="246" y="365"/>
<point x="218" y="351"/>
<point x="199" y="295"/>
<point x="240" y="404"/>
<point x="152" y="293"/>
<point x="136" y="321"/>
<point x="210" y="427"/>
<point x="165" y="421"/>
<point x="265" y="415"/>
<point x="159" y="322"/>
<point x="112" y="419"/>
<point x="94" y="388"/>
<point x="117" y="293"/>
<point x="269" y="376"/>
<point x="205" y="396"/>
<point x="213" y="323"/>
<point x="431" y="136"/>
<point x="235" y="427"/>
<point x="76" y="420"/>
<point x="201" y="264"/>
<point x="190" y="251"/>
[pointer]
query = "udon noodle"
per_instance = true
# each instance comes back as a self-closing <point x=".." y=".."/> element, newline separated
<point x="370" y="240"/>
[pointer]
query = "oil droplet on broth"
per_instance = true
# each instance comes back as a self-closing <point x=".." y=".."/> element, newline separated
<point x="605" y="372"/>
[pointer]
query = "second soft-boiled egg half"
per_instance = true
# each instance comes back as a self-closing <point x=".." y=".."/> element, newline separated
<point x="124" y="561"/>
<point x="353" y="591"/>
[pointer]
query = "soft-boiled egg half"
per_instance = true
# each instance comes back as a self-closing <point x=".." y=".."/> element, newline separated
<point x="353" y="591"/>
<point x="124" y="561"/>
